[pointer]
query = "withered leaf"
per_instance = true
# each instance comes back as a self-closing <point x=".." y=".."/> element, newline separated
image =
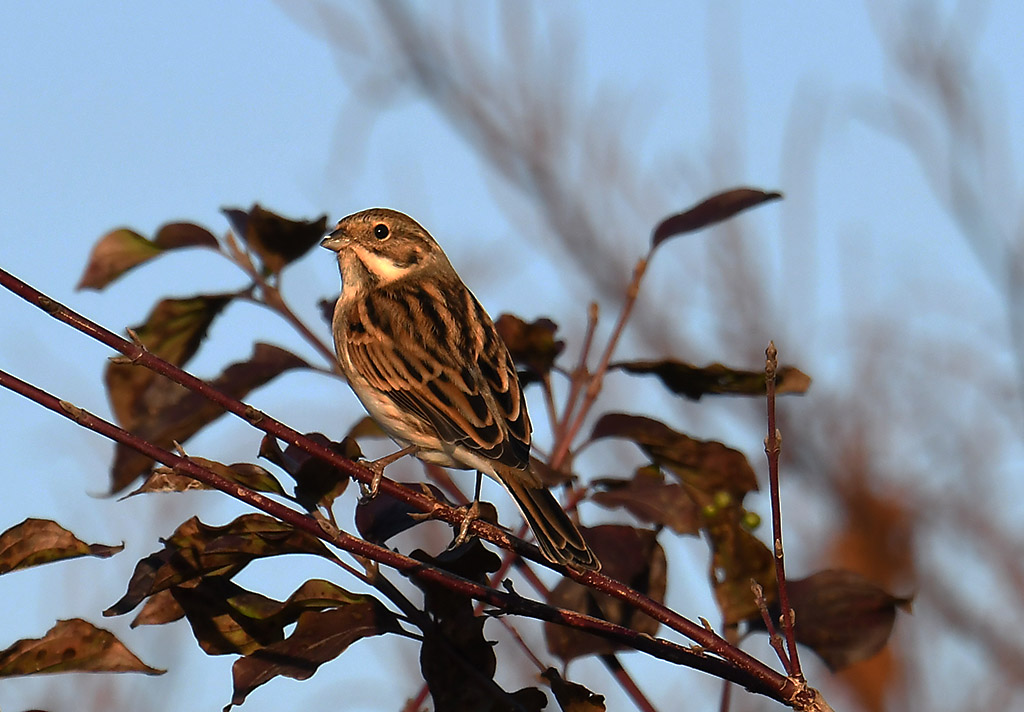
<point x="715" y="209"/>
<point x="706" y="467"/>
<point x="165" y="479"/>
<point x="277" y="240"/>
<point x="184" y="414"/>
<point x="571" y="696"/>
<point x="173" y="331"/>
<point x="71" y="646"/>
<point x="457" y="661"/>
<point x="382" y="517"/>
<point x="691" y="381"/>
<point x="226" y="618"/>
<point x="122" y="249"/>
<point x="40" y="541"/>
<point x="532" y="345"/>
<point x="630" y="555"/>
<point x="649" y="498"/>
<point x="319" y="636"/>
<point x="842" y="616"/>
<point x="197" y="549"/>
<point x="316" y="482"/>
<point x="159" y="609"/>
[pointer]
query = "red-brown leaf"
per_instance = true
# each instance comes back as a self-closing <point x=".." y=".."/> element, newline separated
<point x="713" y="210"/>
<point x="319" y="636"/>
<point x="695" y="381"/>
<point x="277" y="240"/>
<point x="632" y="556"/>
<point x="649" y="498"/>
<point x="842" y="616"/>
<point x="71" y="646"/>
<point x="40" y="541"/>
<point x="123" y="249"/>
<point x="708" y="468"/>
<point x="185" y="413"/>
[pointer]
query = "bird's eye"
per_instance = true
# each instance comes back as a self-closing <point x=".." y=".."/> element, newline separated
<point x="380" y="231"/>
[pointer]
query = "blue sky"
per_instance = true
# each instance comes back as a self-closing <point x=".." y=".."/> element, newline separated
<point x="113" y="115"/>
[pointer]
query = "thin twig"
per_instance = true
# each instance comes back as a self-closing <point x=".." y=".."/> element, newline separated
<point x="578" y="376"/>
<point x="774" y="639"/>
<point x="772" y="446"/>
<point x="273" y="299"/>
<point x="597" y="379"/>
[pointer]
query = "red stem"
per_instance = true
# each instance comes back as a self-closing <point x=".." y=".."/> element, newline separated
<point x="772" y="446"/>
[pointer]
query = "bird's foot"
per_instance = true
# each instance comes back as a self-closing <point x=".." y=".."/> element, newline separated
<point x="472" y="513"/>
<point x="377" y="466"/>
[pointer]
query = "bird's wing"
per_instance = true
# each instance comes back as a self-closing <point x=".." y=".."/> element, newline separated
<point x="431" y="348"/>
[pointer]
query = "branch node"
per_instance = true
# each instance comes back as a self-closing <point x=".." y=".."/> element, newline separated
<point x="73" y="410"/>
<point x="253" y="415"/>
<point x="49" y="306"/>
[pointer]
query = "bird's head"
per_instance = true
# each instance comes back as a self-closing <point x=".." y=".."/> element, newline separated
<point x="379" y="245"/>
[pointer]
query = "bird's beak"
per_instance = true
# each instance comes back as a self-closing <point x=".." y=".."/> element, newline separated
<point x="334" y="240"/>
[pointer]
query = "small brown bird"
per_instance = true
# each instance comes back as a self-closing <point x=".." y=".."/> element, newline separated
<point x="427" y="363"/>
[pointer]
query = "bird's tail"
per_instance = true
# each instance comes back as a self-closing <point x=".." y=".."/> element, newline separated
<point x="558" y="538"/>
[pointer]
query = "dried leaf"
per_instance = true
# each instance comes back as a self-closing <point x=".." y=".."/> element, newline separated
<point x="319" y="636"/>
<point x="41" y="541"/>
<point x="166" y="479"/>
<point x="571" y="696"/>
<point x="196" y="549"/>
<point x="713" y="210"/>
<point x="632" y="556"/>
<point x="532" y="345"/>
<point x="71" y="646"/>
<point x="316" y="482"/>
<point x="184" y="414"/>
<point x="457" y="661"/>
<point x="120" y="250"/>
<point x="708" y="469"/>
<point x="225" y="618"/>
<point x="695" y="381"/>
<point x="842" y="616"/>
<point x="382" y="517"/>
<point x="649" y="498"/>
<point x="277" y="240"/>
<point x="173" y="331"/>
<point x="159" y="609"/>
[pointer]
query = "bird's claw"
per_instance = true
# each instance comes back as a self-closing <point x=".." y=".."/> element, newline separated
<point x="368" y="492"/>
<point x="471" y="515"/>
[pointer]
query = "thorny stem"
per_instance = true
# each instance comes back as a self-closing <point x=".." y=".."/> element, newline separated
<point x="772" y="446"/>
<point x="717" y="656"/>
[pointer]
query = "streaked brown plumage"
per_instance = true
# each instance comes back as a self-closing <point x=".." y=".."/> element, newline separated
<point x="427" y="363"/>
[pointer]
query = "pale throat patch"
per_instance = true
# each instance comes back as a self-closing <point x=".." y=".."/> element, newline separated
<point x="383" y="267"/>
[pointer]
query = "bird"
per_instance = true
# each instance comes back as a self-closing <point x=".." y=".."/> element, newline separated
<point x="425" y="360"/>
